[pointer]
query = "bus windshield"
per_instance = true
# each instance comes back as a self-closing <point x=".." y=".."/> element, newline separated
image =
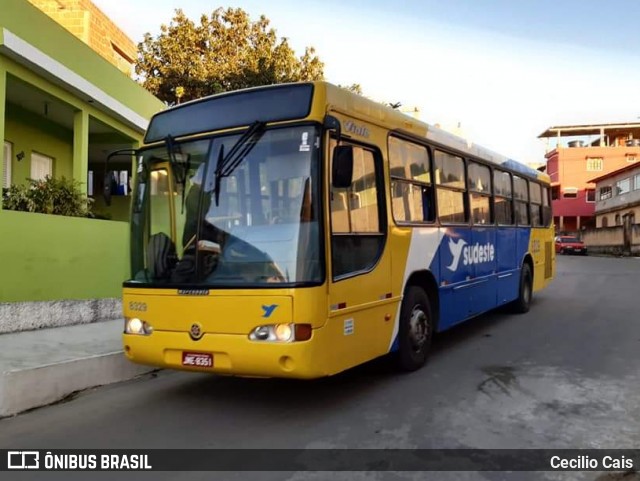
<point x="230" y="210"/>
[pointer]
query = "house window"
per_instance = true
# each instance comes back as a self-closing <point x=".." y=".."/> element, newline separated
<point x="636" y="182"/>
<point x="6" y="165"/>
<point x="570" y="192"/>
<point x="594" y="164"/>
<point x="605" y="192"/>
<point x="605" y="221"/>
<point x="623" y="186"/>
<point x="591" y="195"/>
<point x="631" y="157"/>
<point x="41" y="166"/>
<point x="555" y="192"/>
<point x="618" y="220"/>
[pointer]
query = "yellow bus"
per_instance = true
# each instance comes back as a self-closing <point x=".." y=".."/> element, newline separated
<point x="299" y="230"/>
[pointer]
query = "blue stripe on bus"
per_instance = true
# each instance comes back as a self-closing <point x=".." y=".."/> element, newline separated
<point x="477" y="269"/>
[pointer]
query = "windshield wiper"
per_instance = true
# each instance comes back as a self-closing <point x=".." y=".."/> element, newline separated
<point x="228" y="163"/>
<point x="171" y="147"/>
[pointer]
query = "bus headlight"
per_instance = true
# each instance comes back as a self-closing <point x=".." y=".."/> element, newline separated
<point x="281" y="333"/>
<point x="134" y="325"/>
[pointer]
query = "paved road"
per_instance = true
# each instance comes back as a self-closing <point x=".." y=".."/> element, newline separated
<point x="564" y="375"/>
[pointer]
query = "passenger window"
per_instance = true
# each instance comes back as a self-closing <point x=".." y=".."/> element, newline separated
<point x="503" y="197"/>
<point x="449" y="170"/>
<point x="521" y="200"/>
<point x="479" y="181"/>
<point x="411" y="189"/>
<point x="535" y="195"/>
<point x="450" y="179"/>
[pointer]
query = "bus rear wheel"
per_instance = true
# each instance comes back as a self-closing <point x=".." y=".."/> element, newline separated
<point x="523" y="302"/>
<point x="415" y="330"/>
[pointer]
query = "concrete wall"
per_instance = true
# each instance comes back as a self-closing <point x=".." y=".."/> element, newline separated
<point x="60" y="270"/>
<point x="47" y="257"/>
<point x="610" y="240"/>
<point x="611" y="216"/>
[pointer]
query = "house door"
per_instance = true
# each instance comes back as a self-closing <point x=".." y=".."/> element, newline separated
<point x="627" y="220"/>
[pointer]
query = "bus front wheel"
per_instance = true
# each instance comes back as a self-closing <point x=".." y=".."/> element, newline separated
<point x="415" y="330"/>
<point x="523" y="302"/>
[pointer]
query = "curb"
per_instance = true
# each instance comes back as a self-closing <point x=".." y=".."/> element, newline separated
<point x="24" y="389"/>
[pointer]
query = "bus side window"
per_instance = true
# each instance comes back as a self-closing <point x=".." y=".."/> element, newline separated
<point x="521" y="200"/>
<point x="535" y="195"/>
<point x="479" y="182"/>
<point x="503" y="191"/>
<point x="450" y="181"/>
<point x="411" y="186"/>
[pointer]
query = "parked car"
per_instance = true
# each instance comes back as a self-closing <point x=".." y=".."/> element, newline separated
<point x="570" y="245"/>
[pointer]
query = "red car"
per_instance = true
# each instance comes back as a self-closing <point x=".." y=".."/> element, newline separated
<point x="570" y="245"/>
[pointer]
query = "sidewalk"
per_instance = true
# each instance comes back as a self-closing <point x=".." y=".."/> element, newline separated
<point x="43" y="366"/>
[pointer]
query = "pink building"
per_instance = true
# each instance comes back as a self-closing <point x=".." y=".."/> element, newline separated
<point x="581" y="153"/>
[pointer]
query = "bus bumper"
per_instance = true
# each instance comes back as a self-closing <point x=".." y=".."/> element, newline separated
<point x="231" y="354"/>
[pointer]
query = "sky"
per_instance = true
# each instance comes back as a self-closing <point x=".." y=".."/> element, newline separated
<point x="503" y="70"/>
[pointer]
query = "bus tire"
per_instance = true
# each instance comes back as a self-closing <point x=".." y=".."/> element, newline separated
<point x="525" y="292"/>
<point x="415" y="330"/>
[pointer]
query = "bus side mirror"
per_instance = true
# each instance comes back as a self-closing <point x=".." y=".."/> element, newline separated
<point x="342" y="166"/>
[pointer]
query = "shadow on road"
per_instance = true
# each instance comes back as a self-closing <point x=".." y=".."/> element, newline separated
<point x="251" y="393"/>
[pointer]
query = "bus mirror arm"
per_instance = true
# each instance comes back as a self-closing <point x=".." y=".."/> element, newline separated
<point x="342" y="166"/>
<point x="331" y="123"/>
<point x="109" y="179"/>
<point x="342" y="158"/>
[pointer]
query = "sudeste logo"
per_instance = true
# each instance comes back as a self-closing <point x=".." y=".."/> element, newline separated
<point x="470" y="254"/>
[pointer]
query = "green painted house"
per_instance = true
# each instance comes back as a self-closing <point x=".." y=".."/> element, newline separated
<point x="63" y="108"/>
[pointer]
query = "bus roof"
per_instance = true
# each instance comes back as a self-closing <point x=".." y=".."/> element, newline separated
<point x="291" y="102"/>
<point x="344" y="101"/>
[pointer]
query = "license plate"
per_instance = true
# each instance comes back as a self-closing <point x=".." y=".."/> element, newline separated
<point x="197" y="359"/>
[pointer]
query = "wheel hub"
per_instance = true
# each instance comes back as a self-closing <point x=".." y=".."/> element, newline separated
<point x="418" y="328"/>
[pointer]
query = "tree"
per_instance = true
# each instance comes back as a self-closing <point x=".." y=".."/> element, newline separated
<point x="224" y="51"/>
<point x="355" y="88"/>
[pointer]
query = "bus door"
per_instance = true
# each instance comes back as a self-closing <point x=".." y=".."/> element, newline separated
<point x="360" y="304"/>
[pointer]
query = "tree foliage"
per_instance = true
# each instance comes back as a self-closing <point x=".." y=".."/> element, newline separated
<point x="225" y="51"/>
<point x="355" y="88"/>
